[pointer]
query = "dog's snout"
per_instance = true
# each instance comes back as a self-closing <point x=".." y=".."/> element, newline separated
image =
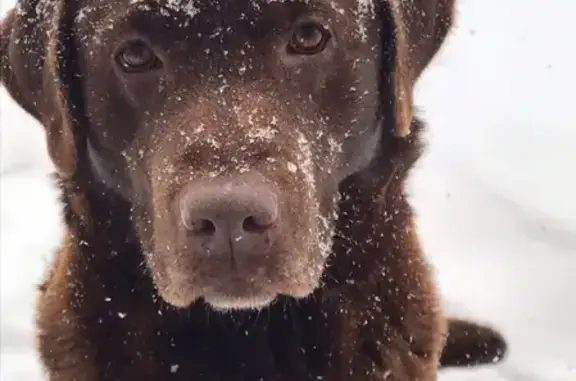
<point x="230" y="219"/>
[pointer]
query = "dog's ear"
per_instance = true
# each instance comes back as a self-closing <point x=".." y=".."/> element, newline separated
<point x="34" y="61"/>
<point x="418" y="30"/>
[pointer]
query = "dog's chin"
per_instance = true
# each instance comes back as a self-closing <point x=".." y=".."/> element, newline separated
<point x="230" y="303"/>
<point x="223" y="302"/>
<point x="245" y="288"/>
<point x="226" y="303"/>
<point x="237" y="301"/>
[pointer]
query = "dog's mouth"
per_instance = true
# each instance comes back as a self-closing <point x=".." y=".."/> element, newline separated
<point x="286" y="260"/>
<point x="238" y="295"/>
<point x="244" y="285"/>
<point x="241" y="239"/>
<point x="225" y="303"/>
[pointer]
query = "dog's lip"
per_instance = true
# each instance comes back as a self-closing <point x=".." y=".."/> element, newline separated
<point x="247" y="300"/>
<point x="226" y="303"/>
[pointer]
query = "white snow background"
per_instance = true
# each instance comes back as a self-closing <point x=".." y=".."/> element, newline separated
<point x="495" y="193"/>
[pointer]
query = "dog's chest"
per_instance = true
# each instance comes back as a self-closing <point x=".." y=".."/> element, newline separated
<point x="213" y="358"/>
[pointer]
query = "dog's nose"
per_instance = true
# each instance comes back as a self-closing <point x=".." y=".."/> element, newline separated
<point x="230" y="219"/>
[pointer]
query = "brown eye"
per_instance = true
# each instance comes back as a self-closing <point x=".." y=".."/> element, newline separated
<point x="136" y="57"/>
<point x="309" y="38"/>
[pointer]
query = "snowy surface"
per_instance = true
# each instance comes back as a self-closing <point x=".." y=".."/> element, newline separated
<point x="493" y="193"/>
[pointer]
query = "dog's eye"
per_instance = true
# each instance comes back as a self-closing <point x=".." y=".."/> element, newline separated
<point x="308" y="38"/>
<point x="136" y="56"/>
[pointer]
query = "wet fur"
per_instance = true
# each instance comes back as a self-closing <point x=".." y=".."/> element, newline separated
<point x="376" y="315"/>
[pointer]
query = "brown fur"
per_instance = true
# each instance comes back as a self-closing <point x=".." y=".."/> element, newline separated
<point x="126" y="298"/>
<point x="471" y="344"/>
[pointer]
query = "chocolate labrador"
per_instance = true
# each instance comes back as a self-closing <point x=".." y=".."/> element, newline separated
<point x="232" y="175"/>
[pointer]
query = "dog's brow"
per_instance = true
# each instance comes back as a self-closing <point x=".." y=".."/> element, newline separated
<point x="191" y="8"/>
<point x="184" y="7"/>
<point x="183" y="12"/>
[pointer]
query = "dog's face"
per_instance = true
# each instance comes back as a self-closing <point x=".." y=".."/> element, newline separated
<point x="228" y="125"/>
<point x="234" y="122"/>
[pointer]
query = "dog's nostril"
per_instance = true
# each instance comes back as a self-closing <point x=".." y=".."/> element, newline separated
<point x="235" y="219"/>
<point x="253" y="225"/>
<point x="202" y="227"/>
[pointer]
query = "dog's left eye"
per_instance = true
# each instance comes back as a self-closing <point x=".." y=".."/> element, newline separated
<point x="308" y="38"/>
<point x="137" y="57"/>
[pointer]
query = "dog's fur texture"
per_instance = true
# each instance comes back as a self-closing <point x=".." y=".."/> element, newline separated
<point x="344" y="292"/>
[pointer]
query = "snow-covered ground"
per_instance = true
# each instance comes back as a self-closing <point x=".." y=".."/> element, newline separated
<point x="493" y="193"/>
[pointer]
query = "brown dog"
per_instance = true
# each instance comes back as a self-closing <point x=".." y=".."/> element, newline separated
<point x="232" y="173"/>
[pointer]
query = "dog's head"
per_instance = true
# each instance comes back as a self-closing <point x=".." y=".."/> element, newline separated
<point x="227" y="125"/>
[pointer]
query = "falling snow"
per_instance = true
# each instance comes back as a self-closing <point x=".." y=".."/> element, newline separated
<point x="523" y="214"/>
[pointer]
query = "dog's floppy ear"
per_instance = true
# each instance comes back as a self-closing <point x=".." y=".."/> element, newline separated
<point x="418" y="30"/>
<point x="401" y="78"/>
<point x="34" y="57"/>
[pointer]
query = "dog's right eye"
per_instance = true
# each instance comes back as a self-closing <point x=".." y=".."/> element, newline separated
<point x="308" y="38"/>
<point x="137" y="57"/>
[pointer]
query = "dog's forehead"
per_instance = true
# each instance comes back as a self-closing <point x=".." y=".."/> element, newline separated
<point x="193" y="8"/>
<point x="102" y="20"/>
